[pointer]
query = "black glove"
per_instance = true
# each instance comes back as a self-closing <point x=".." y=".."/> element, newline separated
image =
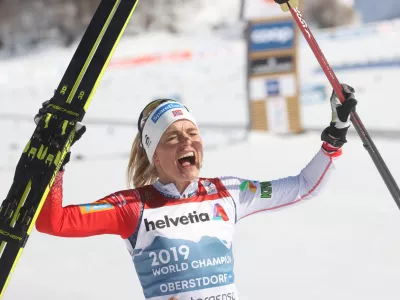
<point x="42" y="112"/>
<point x="80" y="129"/>
<point x="284" y="6"/>
<point x="336" y="133"/>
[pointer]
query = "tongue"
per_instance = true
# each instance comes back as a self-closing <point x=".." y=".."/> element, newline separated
<point x="185" y="164"/>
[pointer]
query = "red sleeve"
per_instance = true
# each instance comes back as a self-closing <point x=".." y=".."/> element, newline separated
<point x="117" y="213"/>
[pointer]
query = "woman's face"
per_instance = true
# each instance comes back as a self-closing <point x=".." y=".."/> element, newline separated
<point x="179" y="154"/>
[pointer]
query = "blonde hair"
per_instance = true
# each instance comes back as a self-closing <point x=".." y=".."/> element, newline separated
<point x="140" y="171"/>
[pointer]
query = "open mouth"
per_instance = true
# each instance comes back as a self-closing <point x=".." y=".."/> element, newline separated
<point x="188" y="159"/>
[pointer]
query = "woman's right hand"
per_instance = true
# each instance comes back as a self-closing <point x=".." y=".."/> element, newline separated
<point x="42" y="112"/>
<point x="80" y="129"/>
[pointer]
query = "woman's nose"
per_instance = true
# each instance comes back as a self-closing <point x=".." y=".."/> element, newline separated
<point x="185" y="140"/>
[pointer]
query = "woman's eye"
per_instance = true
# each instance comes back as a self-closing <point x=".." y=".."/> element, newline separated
<point x="172" y="137"/>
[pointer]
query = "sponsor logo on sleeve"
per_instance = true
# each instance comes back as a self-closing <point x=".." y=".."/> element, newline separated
<point x="266" y="189"/>
<point x="248" y="185"/>
<point x="95" y="207"/>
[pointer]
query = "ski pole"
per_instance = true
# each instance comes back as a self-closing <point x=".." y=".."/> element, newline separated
<point x="355" y="119"/>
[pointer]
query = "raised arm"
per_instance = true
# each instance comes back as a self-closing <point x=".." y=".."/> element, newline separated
<point x="251" y="196"/>
<point x="117" y="214"/>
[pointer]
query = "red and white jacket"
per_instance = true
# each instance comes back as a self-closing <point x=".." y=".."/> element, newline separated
<point x="181" y="244"/>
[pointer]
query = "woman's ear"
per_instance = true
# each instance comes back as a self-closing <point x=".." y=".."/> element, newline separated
<point x="156" y="160"/>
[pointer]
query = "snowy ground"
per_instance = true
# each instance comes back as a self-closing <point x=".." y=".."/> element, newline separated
<point x="342" y="245"/>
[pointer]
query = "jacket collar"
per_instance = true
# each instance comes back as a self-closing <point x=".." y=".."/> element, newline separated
<point x="170" y="191"/>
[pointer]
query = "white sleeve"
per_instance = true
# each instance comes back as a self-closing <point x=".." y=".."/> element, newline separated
<point x="252" y="196"/>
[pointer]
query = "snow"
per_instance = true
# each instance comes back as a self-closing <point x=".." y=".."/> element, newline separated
<point x="344" y="244"/>
<point x="208" y="69"/>
<point x="360" y="56"/>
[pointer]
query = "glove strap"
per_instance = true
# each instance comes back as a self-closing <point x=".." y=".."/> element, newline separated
<point x="334" y="136"/>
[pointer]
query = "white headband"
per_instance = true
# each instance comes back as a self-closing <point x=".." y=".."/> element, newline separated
<point x="159" y="120"/>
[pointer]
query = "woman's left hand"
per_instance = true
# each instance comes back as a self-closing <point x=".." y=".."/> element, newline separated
<point x="335" y="134"/>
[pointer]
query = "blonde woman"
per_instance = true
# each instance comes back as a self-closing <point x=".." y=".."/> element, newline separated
<point x="178" y="226"/>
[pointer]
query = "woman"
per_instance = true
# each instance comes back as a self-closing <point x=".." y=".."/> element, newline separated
<point x="178" y="226"/>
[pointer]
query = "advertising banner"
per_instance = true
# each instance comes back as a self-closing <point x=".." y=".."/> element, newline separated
<point x="272" y="72"/>
<point x="272" y="36"/>
<point x="271" y="65"/>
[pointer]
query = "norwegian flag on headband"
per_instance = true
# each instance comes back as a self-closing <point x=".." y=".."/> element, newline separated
<point x="177" y="112"/>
